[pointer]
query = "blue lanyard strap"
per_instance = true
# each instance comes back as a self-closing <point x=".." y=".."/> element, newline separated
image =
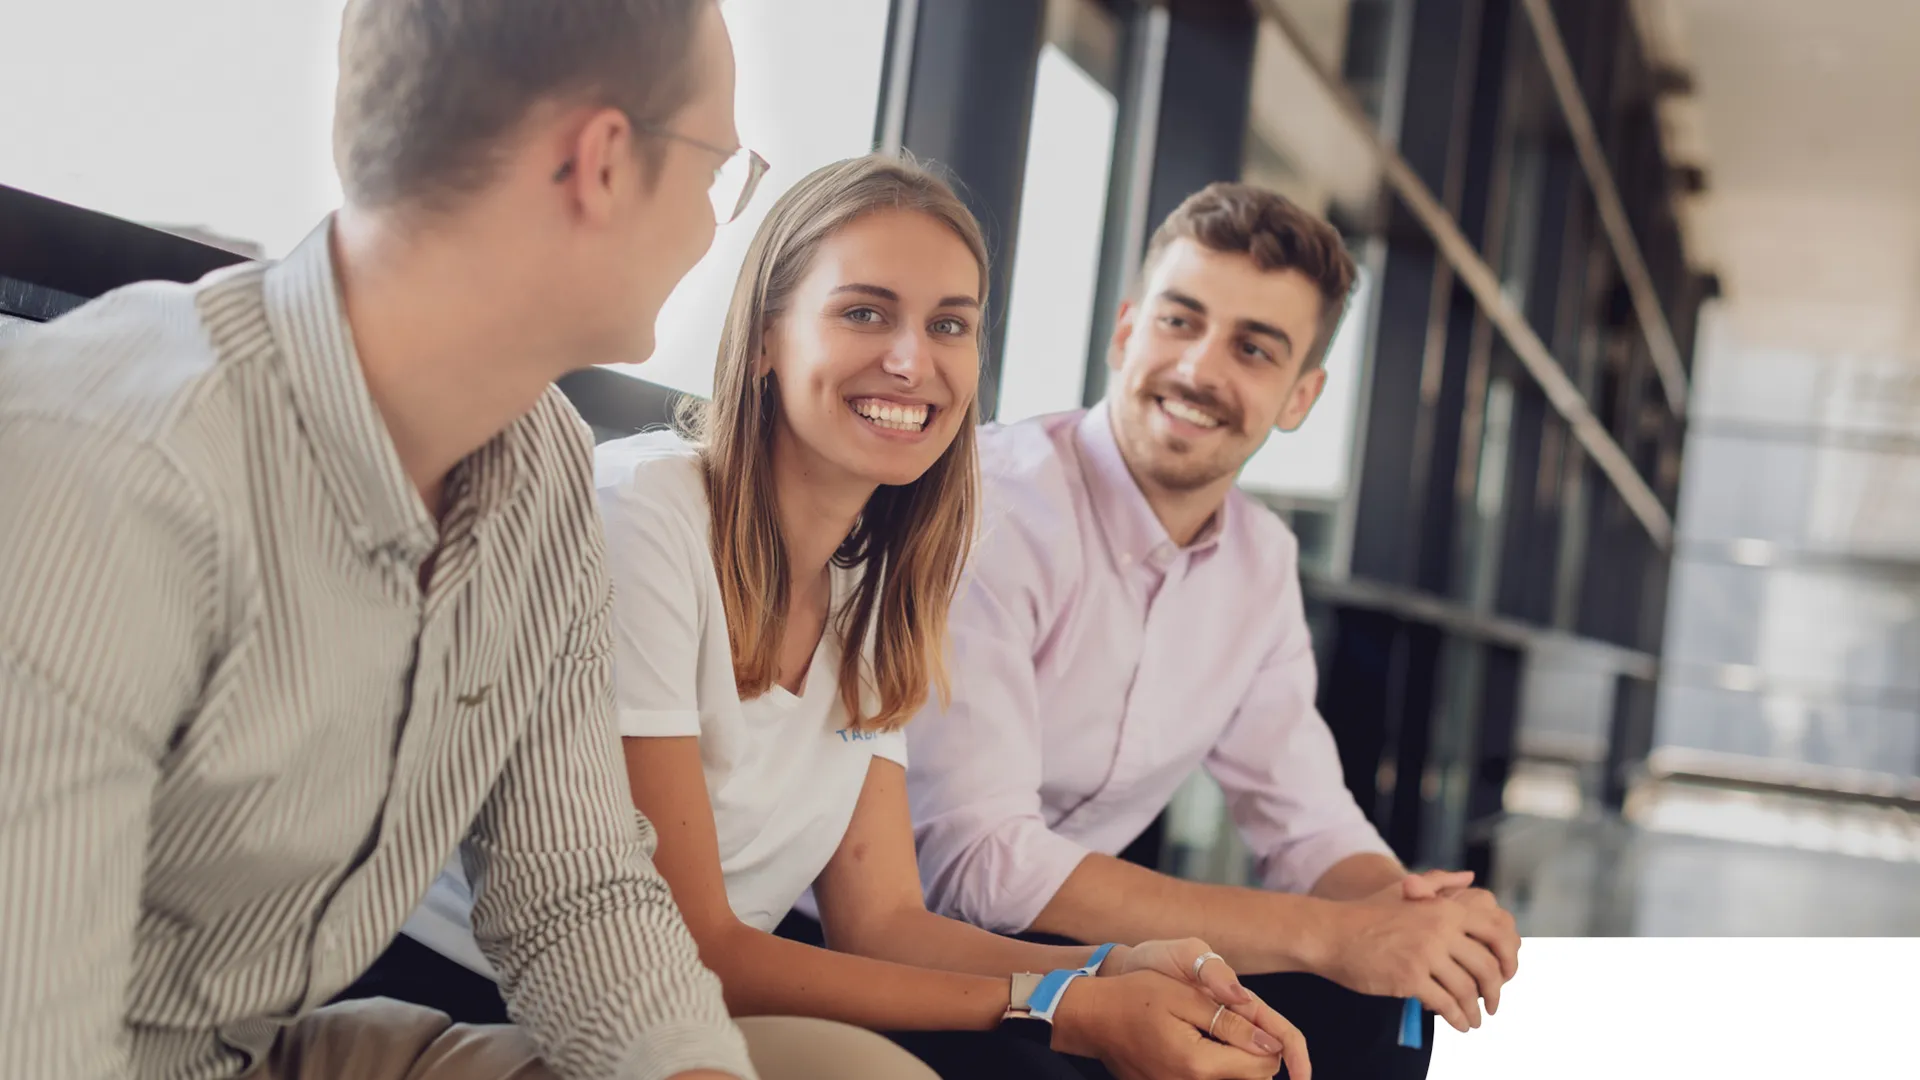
<point x="1411" y="1035"/>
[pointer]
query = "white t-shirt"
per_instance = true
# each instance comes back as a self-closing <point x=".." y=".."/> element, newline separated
<point x="783" y="771"/>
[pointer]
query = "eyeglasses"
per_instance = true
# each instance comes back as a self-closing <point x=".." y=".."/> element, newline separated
<point x="734" y="179"/>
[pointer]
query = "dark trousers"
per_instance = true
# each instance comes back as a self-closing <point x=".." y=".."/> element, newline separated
<point x="1349" y="1036"/>
<point x="409" y="971"/>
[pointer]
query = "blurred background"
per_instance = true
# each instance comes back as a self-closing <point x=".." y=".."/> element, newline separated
<point x="1610" y="516"/>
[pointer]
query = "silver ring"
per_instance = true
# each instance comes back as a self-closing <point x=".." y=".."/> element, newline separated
<point x="1201" y="961"/>
<point x="1215" y="1020"/>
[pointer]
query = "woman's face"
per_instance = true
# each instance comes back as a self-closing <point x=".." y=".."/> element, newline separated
<point x="878" y="352"/>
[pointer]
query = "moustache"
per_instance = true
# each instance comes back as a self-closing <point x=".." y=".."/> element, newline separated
<point x="1204" y="400"/>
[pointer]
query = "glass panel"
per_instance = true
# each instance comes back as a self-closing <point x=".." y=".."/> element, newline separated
<point x="1314" y="530"/>
<point x="1865" y="501"/>
<point x="1478" y="541"/>
<point x="1057" y="253"/>
<point x="1566" y="702"/>
<point x="1448" y="780"/>
<point x="1734" y="488"/>
<point x="1714" y="613"/>
<point x="1824" y="630"/>
<point x="1827" y="629"/>
<point x="1867" y="736"/>
<point x="806" y="94"/>
<point x="1316" y="461"/>
<point x="1801" y="495"/>
<point x="1796" y="390"/>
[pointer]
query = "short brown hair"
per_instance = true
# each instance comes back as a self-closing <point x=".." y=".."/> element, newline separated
<point x="430" y="88"/>
<point x="1277" y="233"/>
<point x="911" y="541"/>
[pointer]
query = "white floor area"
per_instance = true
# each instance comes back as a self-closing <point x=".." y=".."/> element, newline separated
<point x="1698" y="1009"/>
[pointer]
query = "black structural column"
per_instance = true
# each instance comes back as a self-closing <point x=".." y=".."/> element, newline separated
<point x="1422" y="351"/>
<point x="1412" y="433"/>
<point x="1199" y="135"/>
<point x="969" y="106"/>
<point x="1202" y="132"/>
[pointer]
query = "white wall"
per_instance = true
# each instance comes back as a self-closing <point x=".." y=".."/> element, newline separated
<point x="210" y="113"/>
<point x="808" y="94"/>
<point x="217" y="114"/>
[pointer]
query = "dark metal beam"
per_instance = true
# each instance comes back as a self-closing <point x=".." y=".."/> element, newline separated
<point x="1613" y="212"/>
<point x="969" y="107"/>
<point x="1124" y="239"/>
<point x="1484" y="285"/>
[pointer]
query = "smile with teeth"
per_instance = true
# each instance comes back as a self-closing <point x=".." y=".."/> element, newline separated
<point x="892" y="415"/>
<point x="1180" y="410"/>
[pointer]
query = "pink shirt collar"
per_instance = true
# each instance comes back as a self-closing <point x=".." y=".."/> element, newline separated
<point x="1133" y="532"/>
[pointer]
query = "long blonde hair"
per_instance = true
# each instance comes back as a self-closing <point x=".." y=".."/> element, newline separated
<point x="910" y="542"/>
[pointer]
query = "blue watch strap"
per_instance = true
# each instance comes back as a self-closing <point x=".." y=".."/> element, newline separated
<point x="1099" y="957"/>
<point x="1046" y="996"/>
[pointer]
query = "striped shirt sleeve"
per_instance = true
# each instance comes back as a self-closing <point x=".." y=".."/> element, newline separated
<point x="106" y="608"/>
<point x="593" y="957"/>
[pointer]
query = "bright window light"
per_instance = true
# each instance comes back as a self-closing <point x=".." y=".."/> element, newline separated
<point x="1316" y="461"/>
<point x="209" y="114"/>
<point x="1057" y="252"/>
<point x="807" y="94"/>
<point x="216" y="115"/>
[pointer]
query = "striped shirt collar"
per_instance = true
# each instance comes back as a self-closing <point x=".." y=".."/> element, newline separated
<point x="355" y="453"/>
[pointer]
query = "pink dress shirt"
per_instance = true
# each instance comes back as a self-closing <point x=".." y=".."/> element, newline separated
<point x="1096" y="664"/>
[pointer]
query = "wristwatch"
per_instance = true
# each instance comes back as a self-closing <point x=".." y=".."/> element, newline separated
<point x="1033" y="999"/>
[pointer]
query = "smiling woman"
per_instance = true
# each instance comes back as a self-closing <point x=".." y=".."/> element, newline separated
<point x="781" y="584"/>
<point x="861" y="296"/>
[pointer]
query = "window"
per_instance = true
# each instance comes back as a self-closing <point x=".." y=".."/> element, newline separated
<point x="1056" y="255"/>
<point x="1316" y="462"/>
<point x="169" y="120"/>
<point x="146" y="123"/>
<point x="807" y="94"/>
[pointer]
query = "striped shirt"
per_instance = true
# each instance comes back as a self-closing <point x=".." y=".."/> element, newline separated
<point x="239" y="741"/>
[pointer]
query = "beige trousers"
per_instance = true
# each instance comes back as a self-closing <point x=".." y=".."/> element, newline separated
<point x="380" y="1039"/>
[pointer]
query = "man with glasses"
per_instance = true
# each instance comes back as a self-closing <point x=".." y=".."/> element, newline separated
<point x="301" y="587"/>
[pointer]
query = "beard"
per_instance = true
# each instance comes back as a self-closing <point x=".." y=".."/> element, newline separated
<point x="1175" y="464"/>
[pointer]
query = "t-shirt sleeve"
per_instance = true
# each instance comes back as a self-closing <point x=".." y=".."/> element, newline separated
<point x="892" y="746"/>
<point x="657" y="576"/>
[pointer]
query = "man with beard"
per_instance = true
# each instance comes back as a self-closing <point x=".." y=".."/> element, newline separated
<point x="1130" y="615"/>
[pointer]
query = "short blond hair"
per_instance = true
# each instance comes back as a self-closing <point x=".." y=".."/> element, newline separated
<point x="430" y="89"/>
